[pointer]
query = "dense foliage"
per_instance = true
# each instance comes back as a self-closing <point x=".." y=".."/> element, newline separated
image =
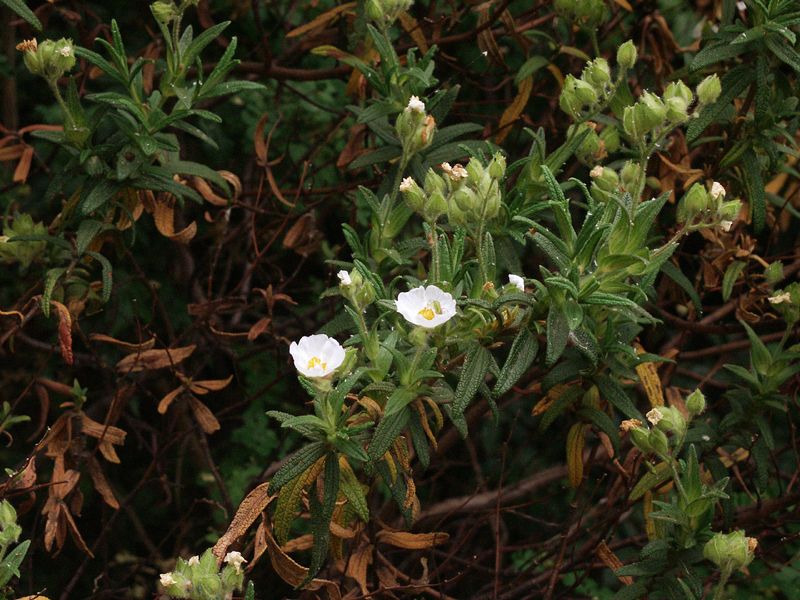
<point x="399" y="299"/>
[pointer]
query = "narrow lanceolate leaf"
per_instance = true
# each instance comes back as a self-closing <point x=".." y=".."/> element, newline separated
<point x="476" y="365"/>
<point x="755" y="189"/>
<point x="650" y="480"/>
<point x="523" y="352"/>
<point x="289" y="500"/>
<point x="20" y="8"/>
<point x="652" y="384"/>
<point x="297" y="463"/>
<point x="107" y="274"/>
<point x="352" y="490"/>
<point x="611" y="391"/>
<point x="321" y="514"/>
<point x="557" y="334"/>
<point x="731" y="277"/>
<point x="575" y="443"/>
<point x="386" y="432"/>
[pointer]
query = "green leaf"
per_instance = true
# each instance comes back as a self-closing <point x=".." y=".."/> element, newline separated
<point x="87" y="231"/>
<point x="603" y="422"/>
<point x="759" y="354"/>
<point x="9" y="567"/>
<point x="674" y="273"/>
<point x="386" y="432"/>
<point x="631" y="592"/>
<point x="321" y="514"/>
<point x="296" y="464"/>
<point x="557" y="334"/>
<point x="755" y="189"/>
<point x="650" y="480"/>
<point x="731" y="277"/>
<point x="783" y="51"/>
<point x="184" y="167"/>
<point x="716" y="52"/>
<point x="20" y="8"/>
<point x="382" y="154"/>
<point x="520" y="357"/>
<point x="353" y="491"/>
<point x="473" y="373"/>
<point x="107" y="273"/>
<point x="612" y="391"/>
<point x="250" y="594"/>
<point x="99" y="195"/>
<point x="733" y="84"/>
<point x="51" y="278"/>
<point x="201" y="41"/>
<point x="529" y="67"/>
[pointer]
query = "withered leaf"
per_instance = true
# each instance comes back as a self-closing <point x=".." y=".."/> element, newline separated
<point x="166" y="401"/>
<point x="154" y="359"/>
<point x="252" y="506"/>
<point x="358" y="564"/>
<point x="101" y="483"/>
<point x="412" y="541"/>
<point x="204" y="416"/>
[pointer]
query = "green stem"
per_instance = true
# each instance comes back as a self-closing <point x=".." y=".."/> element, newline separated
<point x="434" y="244"/>
<point x="60" y="100"/>
<point x="723" y="580"/>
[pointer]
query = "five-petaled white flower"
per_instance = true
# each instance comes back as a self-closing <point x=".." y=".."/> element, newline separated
<point x="167" y="579"/>
<point x="316" y="355"/>
<point x="344" y="277"/>
<point x="517" y="282"/>
<point x="427" y="307"/>
<point x="780" y="298"/>
<point x="406" y="184"/>
<point x="717" y="191"/>
<point x="654" y="416"/>
<point x="235" y="559"/>
<point x="415" y="105"/>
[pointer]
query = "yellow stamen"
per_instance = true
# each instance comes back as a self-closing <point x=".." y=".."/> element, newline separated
<point x="427" y="314"/>
<point x="316" y="362"/>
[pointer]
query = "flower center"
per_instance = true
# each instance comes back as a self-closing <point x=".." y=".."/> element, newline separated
<point x="317" y="362"/>
<point x="430" y="311"/>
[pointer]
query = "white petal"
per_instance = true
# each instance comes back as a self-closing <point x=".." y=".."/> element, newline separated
<point x="415" y="105"/>
<point x="717" y="191"/>
<point x="517" y="281"/>
<point x="344" y="277"/>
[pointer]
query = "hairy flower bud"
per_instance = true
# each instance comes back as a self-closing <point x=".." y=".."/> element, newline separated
<point x="497" y="167"/>
<point x="709" y="90"/>
<point x="598" y="74"/>
<point x="568" y="101"/>
<point x="50" y="59"/>
<point x="164" y="11"/>
<point x="413" y="194"/>
<point x="696" y="403"/>
<point x="730" y="551"/>
<point x="627" y="55"/>
<point x="632" y="123"/>
<point x="652" y="110"/>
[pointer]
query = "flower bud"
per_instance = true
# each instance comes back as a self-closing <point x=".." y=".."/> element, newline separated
<point x="565" y="8"/>
<point x="8" y="515"/>
<point x="465" y="199"/>
<point x="671" y="421"/>
<point x="585" y="92"/>
<point x="696" y="403"/>
<point x="434" y="183"/>
<point x="413" y="194"/>
<point x="497" y="167"/>
<point x="773" y="273"/>
<point x="678" y="89"/>
<point x="730" y="551"/>
<point x="695" y="201"/>
<point x="605" y="179"/>
<point x="597" y="73"/>
<point x="630" y="174"/>
<point x="632" y="123"/>
<point x="569" y="101"/>
<point x="590" y="150"/>
<point x="652" y="110"/>
<point x="658" y="441"/>
<point x="164" y="11"/>
<point x="610" y="138"/>
<point x="50" y="59"/>
<point x="627" y="55"/>
<point x="176" y="584"/>
<point x="677" y="110"/>
<point x="231" y="579"/>
<point x="386" y="12"/>
<point x="435" y="207"/>
<point x="591" y="12"/>
<point x="414" y="128"/>
<point x="475" y="171"/>
<point x="709" y="90"/>
<point x="730" y="209"/>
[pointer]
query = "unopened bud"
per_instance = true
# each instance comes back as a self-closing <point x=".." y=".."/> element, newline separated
<point x="627" y="55"/>
<point x="709" y="90"/>
<point x="164" y="11"/>
<point x="497" y="167"/>
<point x="597" y="73"/>
<point x="695" y="403"/>
<point x="652" y="110"/>
<point x="730" y="551"/>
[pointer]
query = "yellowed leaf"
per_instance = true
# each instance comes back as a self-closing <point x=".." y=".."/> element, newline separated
<point x="650" y="381"/>
<point x="204" y="416"/>
<point x="575" y="443"/>
<point x="249" y="509"/>
<point x="357" y="566"/>
<point x="134" y="347"/>
<point x="411" y="27"/>
<point x="612" y="561"/>
<point x="321" y="20"/>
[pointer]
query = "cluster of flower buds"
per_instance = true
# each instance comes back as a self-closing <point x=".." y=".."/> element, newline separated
<point x="708" y="206"/>
<point x="585" y="13"/>
<point x="386" y="12"/>
<point x="50" y="59"/>
<point x="414" y="127"/>
<point x="664" y="421"/>
<point x="9" y="529"/>
<point x="594" y="146"/>
<point x="730" y="551"/>
<point x="199" y="578"/>
<point x="465" y="194"/>
<point x="595" y="85"/>
<point x="360" y="293"/>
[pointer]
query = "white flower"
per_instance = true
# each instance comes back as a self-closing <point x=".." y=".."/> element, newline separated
<point x="235" y="559"/>
<point x="415" y="105"/>
<point x="517" y="282"/>
<point x="717" y="191"/>
<point x="427" y="307"/>
<point x="316" y="355"/>
<point x="596" y="172"/>
<point x="344" y="277"/>
<point x="654" y="416"/>
<point x="726" y="225"/>
<point x="455" y="172"/>
<point x="406" y="184"/>
<point x="194" y="560"/>
<point x="780" y="298"/>
<point x="167" y="579"/>
<point x="65" y="51"/>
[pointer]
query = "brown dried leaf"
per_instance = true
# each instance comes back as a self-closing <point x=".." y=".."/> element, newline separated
<point x="322" y="20"/>
<point x="209" y="385"/>
<point x="514" y="110"/>
<point x="357" y="566"/>
<point x="303" y="236"/>
<point x="258" y="328"/>
<point x="294" y="573"/>
<point x="107" y="339"/>
<point x="108" y="433"/>
<point x="208" y="194"/>
<point x="650" y="381"/>
<point x="298" y="544"/>
<point x="252" y="506"/>
<point x="168" y="399"/>
<point x="23" y="166"/>
<point x="76" y="535"/>
<point x="413" y="29"/>
<point x="64" y="331"/>
<point x="575" y="442"/>
<point x="164" y="218"/>
<point x="611" y="560"/>
<point x="154" y="359"/>
<point x="204" y="416"/>
<point x="101" y="483"/>
<point x="412" y="541"/>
